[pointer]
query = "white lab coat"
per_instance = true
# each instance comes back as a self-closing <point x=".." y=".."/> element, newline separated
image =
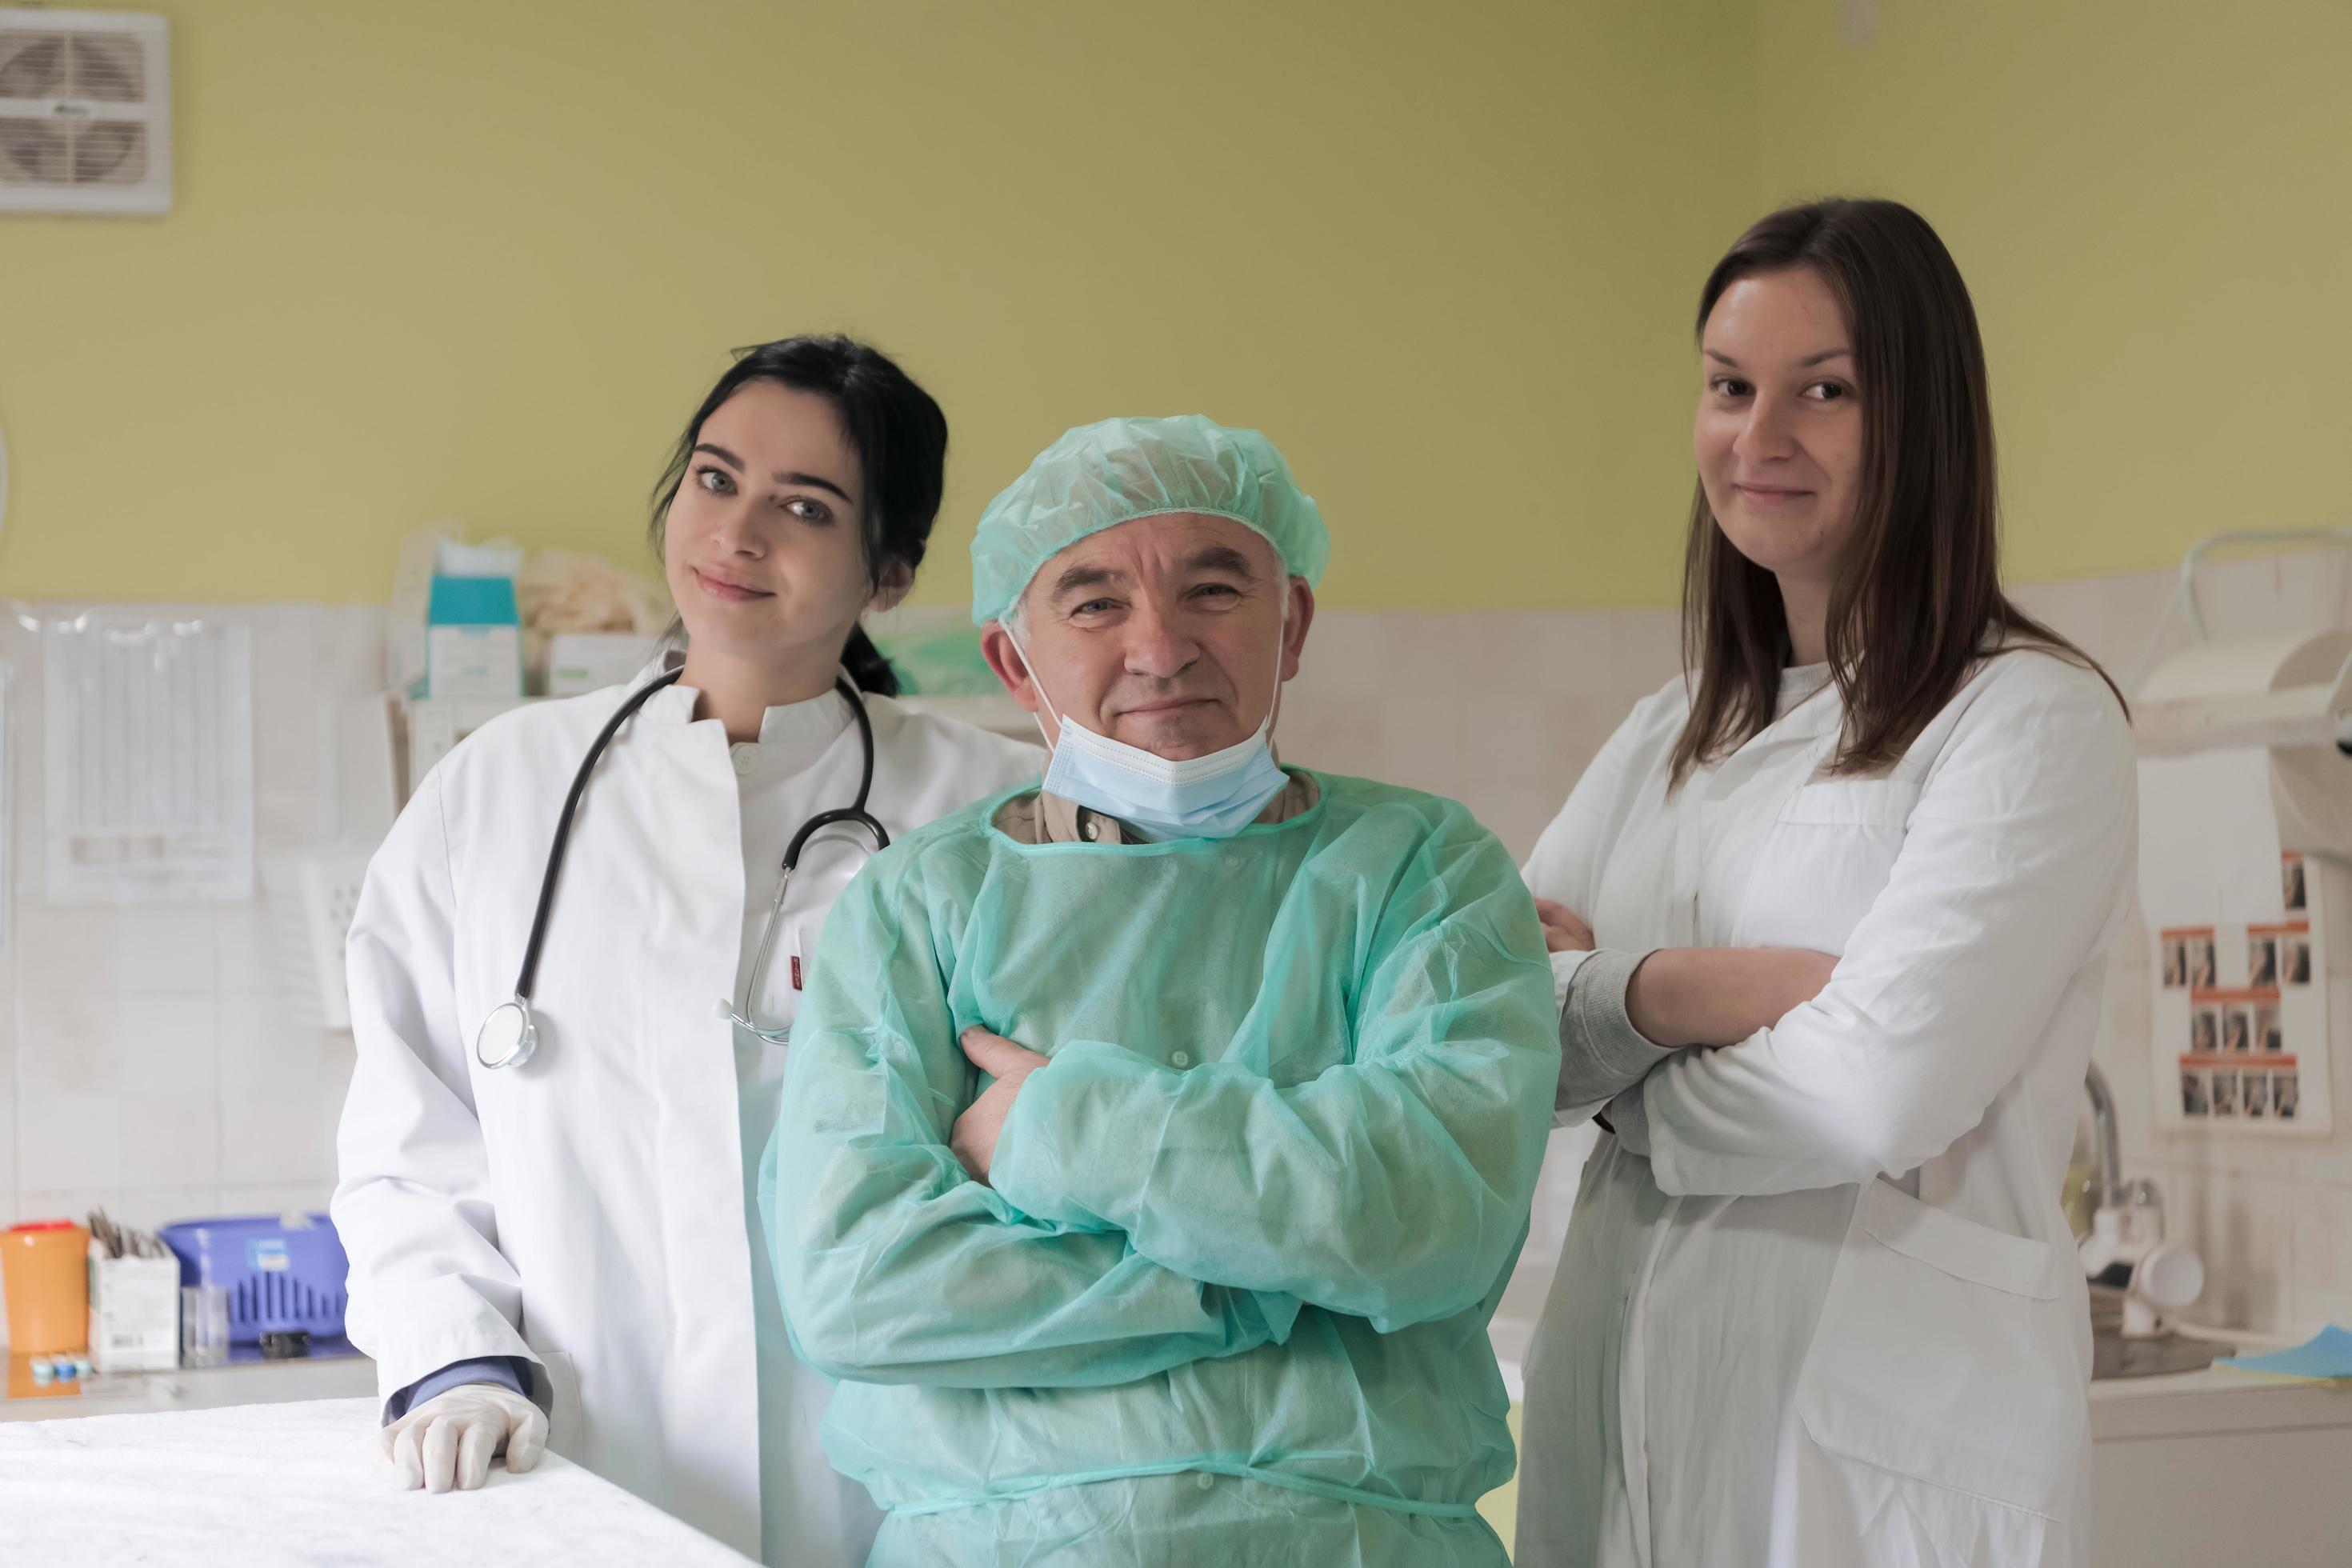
<point x="586" y="1211"/>
<point x="1834" y="1320"/>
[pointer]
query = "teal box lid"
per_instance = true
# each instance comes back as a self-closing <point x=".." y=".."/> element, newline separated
<point x="472" y="602"/>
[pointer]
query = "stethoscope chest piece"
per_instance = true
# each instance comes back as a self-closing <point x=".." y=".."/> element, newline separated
<point x="506" y="1037"/>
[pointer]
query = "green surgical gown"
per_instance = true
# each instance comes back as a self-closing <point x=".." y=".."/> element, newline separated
<point x="1226" y="1299"/>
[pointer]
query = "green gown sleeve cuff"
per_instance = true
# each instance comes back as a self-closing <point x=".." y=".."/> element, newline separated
<point x="1033" y="1169"/>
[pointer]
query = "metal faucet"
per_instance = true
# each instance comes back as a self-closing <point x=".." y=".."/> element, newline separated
<point x="2137" y="1206"/>
<point x="2129" y="1268"/>
<point x="2102" y="1125"/>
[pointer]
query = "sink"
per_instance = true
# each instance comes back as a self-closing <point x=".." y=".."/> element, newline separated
<point x="2114" y="1356"/>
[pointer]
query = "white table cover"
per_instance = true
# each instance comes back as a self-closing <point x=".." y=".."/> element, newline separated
<point x="266" y="1485"/>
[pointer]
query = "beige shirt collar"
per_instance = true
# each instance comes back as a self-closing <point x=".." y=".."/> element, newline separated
<point x="1043" y="819"/>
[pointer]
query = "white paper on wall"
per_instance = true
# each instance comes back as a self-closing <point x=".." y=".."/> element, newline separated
<point x="148" y="744"/>
<point x="2237" y="1022"/>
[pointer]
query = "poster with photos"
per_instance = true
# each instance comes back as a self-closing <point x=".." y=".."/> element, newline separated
<point x="2240" y="1021"/>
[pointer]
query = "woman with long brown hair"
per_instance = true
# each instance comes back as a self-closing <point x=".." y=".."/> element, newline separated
<point x="1829" y="916"/>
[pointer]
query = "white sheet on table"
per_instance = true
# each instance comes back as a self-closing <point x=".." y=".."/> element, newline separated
<point x="265" y="1485"/>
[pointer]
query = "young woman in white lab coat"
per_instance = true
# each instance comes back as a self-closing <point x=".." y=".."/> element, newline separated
<point x="1818" y="1304"/>
<point x="567" y="1251"/>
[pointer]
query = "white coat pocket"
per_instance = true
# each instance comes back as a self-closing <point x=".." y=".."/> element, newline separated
<point x="1825" y="862"/>
<point x="1857" y="802"/>
<point x="1945" y="1353"/>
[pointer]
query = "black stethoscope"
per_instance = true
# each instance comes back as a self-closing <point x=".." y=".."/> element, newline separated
<point x="509" y="1035"/>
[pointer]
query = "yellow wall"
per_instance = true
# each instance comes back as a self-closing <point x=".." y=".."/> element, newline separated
<point x="454" y="258"/>
<point x="2152" y="203"/>
<point x="448" y="257"/>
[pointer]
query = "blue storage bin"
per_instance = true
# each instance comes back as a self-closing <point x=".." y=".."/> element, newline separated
<point x="280" y="1276"/>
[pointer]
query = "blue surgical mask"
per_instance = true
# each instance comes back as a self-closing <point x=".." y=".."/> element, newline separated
<point x="1213" y="796"/>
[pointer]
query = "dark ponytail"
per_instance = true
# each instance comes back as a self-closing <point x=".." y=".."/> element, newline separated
<point x="867" y="666"/>
<point x="900" y="439"/>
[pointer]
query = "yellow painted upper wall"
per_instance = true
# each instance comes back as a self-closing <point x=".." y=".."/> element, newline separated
<point x="480" y="261"/>
<point x="2152" y="204"/>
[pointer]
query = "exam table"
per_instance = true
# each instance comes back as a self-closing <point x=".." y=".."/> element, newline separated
<point x="268" y="1484"/>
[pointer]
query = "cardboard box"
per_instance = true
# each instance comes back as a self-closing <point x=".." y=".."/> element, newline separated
<point x="473" y="638"/>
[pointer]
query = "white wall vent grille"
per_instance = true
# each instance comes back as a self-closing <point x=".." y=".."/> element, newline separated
<point x="85" y="112"/>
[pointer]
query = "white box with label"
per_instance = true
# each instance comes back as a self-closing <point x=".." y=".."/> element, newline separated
<point x="134" y="1313"/>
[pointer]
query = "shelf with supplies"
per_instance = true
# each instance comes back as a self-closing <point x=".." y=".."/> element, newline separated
<point x="346" y="1375"/>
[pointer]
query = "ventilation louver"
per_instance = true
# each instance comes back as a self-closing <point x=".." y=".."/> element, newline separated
<point x="85" y="112"/>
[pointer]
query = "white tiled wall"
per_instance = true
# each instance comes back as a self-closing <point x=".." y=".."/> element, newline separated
<point x="2272" y="1217"/>
<point x="154" y="1059"/>
<point x="1498" y="708"/>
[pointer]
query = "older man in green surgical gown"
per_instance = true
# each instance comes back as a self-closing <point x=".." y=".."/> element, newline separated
<point x="1156" y="1145"/>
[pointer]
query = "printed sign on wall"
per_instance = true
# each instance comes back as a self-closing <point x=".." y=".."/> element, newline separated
<point x="2239" y="1019"/>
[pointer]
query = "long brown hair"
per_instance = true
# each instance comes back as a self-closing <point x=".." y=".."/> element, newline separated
<point x="1917" y="597"/>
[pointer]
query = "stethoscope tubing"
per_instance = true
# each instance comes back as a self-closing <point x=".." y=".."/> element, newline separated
<point x="856" y="814"/>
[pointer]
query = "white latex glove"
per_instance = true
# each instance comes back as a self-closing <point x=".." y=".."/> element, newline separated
<point x="451" y="1438"/>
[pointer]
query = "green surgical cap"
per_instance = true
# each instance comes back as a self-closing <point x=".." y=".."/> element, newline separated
<point x="1099" y="476"/>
